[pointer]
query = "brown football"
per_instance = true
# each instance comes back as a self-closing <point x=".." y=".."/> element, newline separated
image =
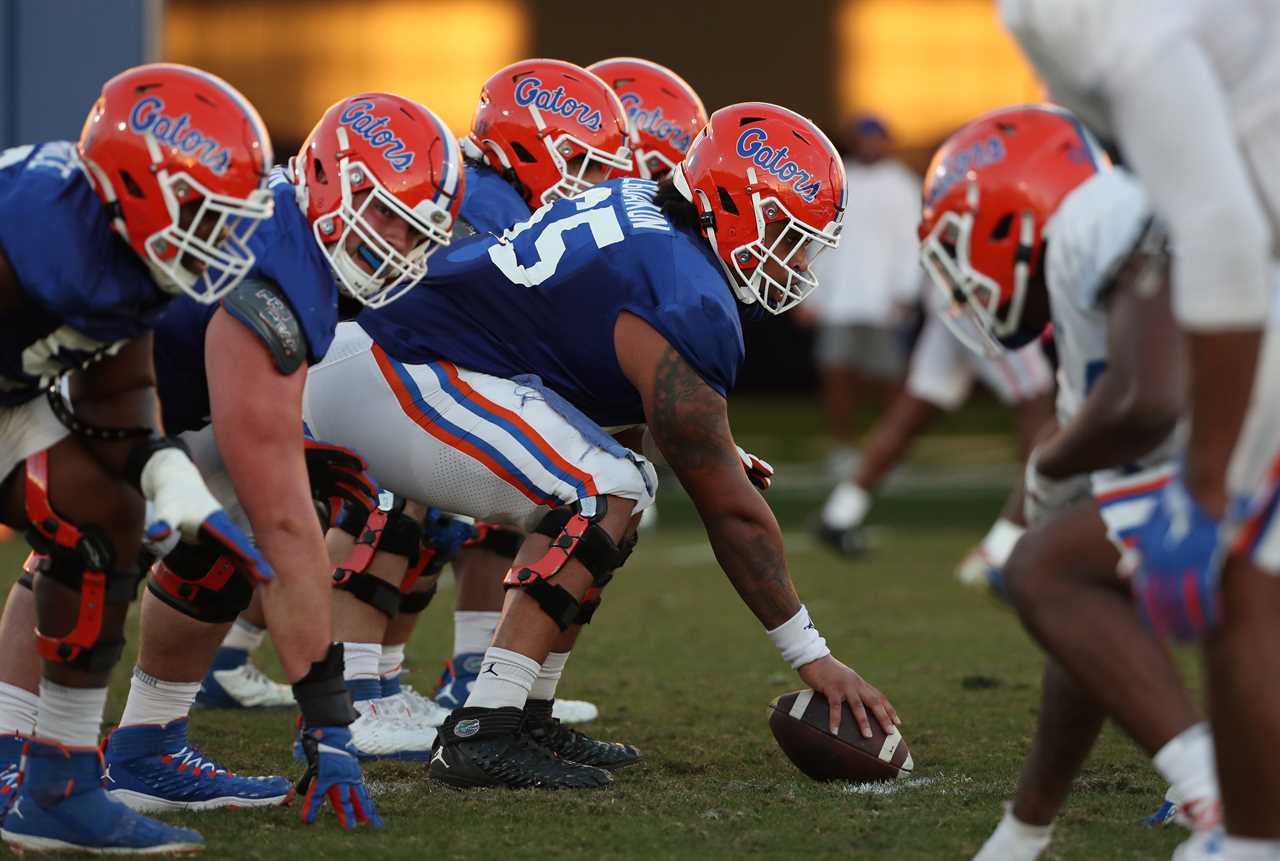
<point x="799" y="724"/>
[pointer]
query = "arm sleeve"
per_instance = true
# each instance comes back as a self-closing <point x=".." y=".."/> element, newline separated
<point x="1172" y="123"/>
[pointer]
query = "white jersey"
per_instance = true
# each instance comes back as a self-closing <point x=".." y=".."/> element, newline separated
<point x="1188" y="89"/>
<point x="1094" y="229"/>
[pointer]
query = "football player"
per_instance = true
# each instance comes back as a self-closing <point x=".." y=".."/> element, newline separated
<point x="1024" y="214"/>
<point x="942" y="374"/>
<point x="494" y="400"/>
<point x="1133" y="72"/>
<point x="663" y="115"/>
<point x="158" y="199"/>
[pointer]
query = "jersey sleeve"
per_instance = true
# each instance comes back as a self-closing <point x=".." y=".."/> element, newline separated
<point x="1092" y="232"/>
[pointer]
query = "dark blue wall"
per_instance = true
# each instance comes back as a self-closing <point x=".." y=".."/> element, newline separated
<point x="55" y="56"/>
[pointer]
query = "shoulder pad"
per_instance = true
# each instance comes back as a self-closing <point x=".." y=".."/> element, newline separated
<point x="261" y="306"/>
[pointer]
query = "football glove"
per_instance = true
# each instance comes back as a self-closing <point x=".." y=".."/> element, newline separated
<point x="333" y="773"/>
<point x="339" y="477"/>
<point x="1179" y="565"/>
<point x="180" y="504"/>
<point x="759" y="472"/>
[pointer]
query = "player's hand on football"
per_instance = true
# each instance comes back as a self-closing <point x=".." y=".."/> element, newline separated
<point x="759" y="471"/>
<point x="1179" y="565"/>
<point x="840" y="684"/>
<point x="334" y="773"/>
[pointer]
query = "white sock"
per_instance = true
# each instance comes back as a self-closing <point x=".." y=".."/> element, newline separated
<point x="360" y="660"/>
<point x="473" y="630"/>
<point x="1249" y="849"/>
<point x="390" y="660"/>
<point x="1014" y="840"/>
<point x="17" y="710"/>
<point x="154" y="701"/>
<point x="846" y="507"/>
<point x="1000" y="540"/>
<point x="544" y="686"/>
<point x="70" y="716"/>
<point x="1187" y="763"/>
<point x="505" y="679"/>
<point x="244" y="635"/>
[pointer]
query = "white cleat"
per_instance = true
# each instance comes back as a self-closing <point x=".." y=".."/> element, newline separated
<point x="385" y="731"/>
<point x="419" y="708"/>
<point x="1203" y="846"/>
<point x="244" y="687"/>
<point x="574" y="711"/>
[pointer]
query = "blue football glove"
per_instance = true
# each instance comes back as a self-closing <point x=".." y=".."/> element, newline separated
<point x="1176" y="583"/>
<point x="445" y="533"/>
<point x="333" y="773"/>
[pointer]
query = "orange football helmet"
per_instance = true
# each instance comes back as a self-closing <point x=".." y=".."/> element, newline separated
<point x="181" y="159"/>
<point x="755" y="165"/>
<point x="989" y="192"/>
<point x="663" y="112"/>
<point x="552" y="128"/>
<point x="405" y="167"/>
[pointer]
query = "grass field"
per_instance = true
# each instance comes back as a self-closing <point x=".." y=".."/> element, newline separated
<point x="681" y="669"/>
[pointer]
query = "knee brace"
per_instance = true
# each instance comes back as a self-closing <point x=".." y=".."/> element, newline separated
<point x="496" y="539"/>
<point x="575" y="533"/>
<point x="201" y="583"/>
<point x="82" y="559"/>
<point x="31" y="567"/>
<point x="390" y="531"/>
<point x="416" y="602"/>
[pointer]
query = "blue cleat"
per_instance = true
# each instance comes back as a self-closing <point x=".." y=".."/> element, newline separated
<point x="154" y="768"/>
<point x="454" y="685"/>
<point x="61" y="806"/>
<point x="10" y="769"/>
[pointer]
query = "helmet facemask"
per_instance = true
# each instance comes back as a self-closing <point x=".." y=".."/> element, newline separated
<point x="972" y="306"/>
<point x="566" y="147"/>
<point x="652" y="164"/>
<point x="393" y="271"/>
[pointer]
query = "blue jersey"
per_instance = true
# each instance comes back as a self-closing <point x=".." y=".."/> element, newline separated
<point x="490" y="204"/>
<point x="287" y="255"/>
<point x="543" y="299"/>
<point x="88" y="292"/>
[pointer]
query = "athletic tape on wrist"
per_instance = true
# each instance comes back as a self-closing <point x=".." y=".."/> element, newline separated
<point x="798" y="640"/>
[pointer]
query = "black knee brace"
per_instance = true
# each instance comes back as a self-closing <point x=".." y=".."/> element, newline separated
<point x="575" y="533"/>
<point x="82" y="559"/>
<point x="200" y="582"/>
<point x="416" y="602"/>
<point x="388" y="531"/>
<point x="498" y="539"/>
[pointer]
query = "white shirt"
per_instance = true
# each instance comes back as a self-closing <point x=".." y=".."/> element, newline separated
<point x="1190" y="90"/>
<point x="876" y="266"/>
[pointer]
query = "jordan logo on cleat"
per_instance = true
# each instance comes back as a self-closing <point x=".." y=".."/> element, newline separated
<point x="439" y="757"/>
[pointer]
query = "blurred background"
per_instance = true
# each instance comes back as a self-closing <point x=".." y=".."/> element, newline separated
<point x="887" y="78"/>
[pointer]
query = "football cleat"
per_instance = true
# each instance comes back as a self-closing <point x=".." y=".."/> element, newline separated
<point x="977" y="571"/>
<point x="420" y="708"/>
<point x="242" y="687"/>
<point x="62" y="806"/>
<point x="489" y="747"/>
<point x="154" y="768"/>
<point x="454" y="686"/>
<point x="10" y="769"/>
<point x="1202" y="846"/>
<point x="851" y="542"/>
<point x="384" y="731"/>
<point x="547" y="730"/>
<point x="1165" y="813"/>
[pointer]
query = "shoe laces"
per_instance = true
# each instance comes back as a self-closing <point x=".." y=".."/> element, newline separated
<point x="192" y="760"/>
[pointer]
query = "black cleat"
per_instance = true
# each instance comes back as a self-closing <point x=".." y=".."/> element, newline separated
<point x="572" y="745"/>
<point x="489" y="747"/>
<point x="851" y="543"/>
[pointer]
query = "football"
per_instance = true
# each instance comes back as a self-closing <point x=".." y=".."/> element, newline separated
<point x="799" y="724"/>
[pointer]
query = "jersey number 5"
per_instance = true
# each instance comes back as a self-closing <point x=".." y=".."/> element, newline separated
<point x="549" y="244"/>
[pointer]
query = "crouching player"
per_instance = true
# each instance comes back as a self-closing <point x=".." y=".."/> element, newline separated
<point x="1070" y="239"/>
<point x="158" y="199"/>
<point x="663" y="114"/>
<point x="450" y="413"/>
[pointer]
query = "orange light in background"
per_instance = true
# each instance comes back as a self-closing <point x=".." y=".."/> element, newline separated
<point x="928" y="66"/>
<point x="294" y="58"/>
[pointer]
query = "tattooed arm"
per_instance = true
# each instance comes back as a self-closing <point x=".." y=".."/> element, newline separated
<point x="690" y="423"/>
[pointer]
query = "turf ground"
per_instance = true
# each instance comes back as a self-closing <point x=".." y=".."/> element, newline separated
<point x="681" y="669"/>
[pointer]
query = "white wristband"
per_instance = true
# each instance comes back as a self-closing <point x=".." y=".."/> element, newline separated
<point x="798" y="640"/>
